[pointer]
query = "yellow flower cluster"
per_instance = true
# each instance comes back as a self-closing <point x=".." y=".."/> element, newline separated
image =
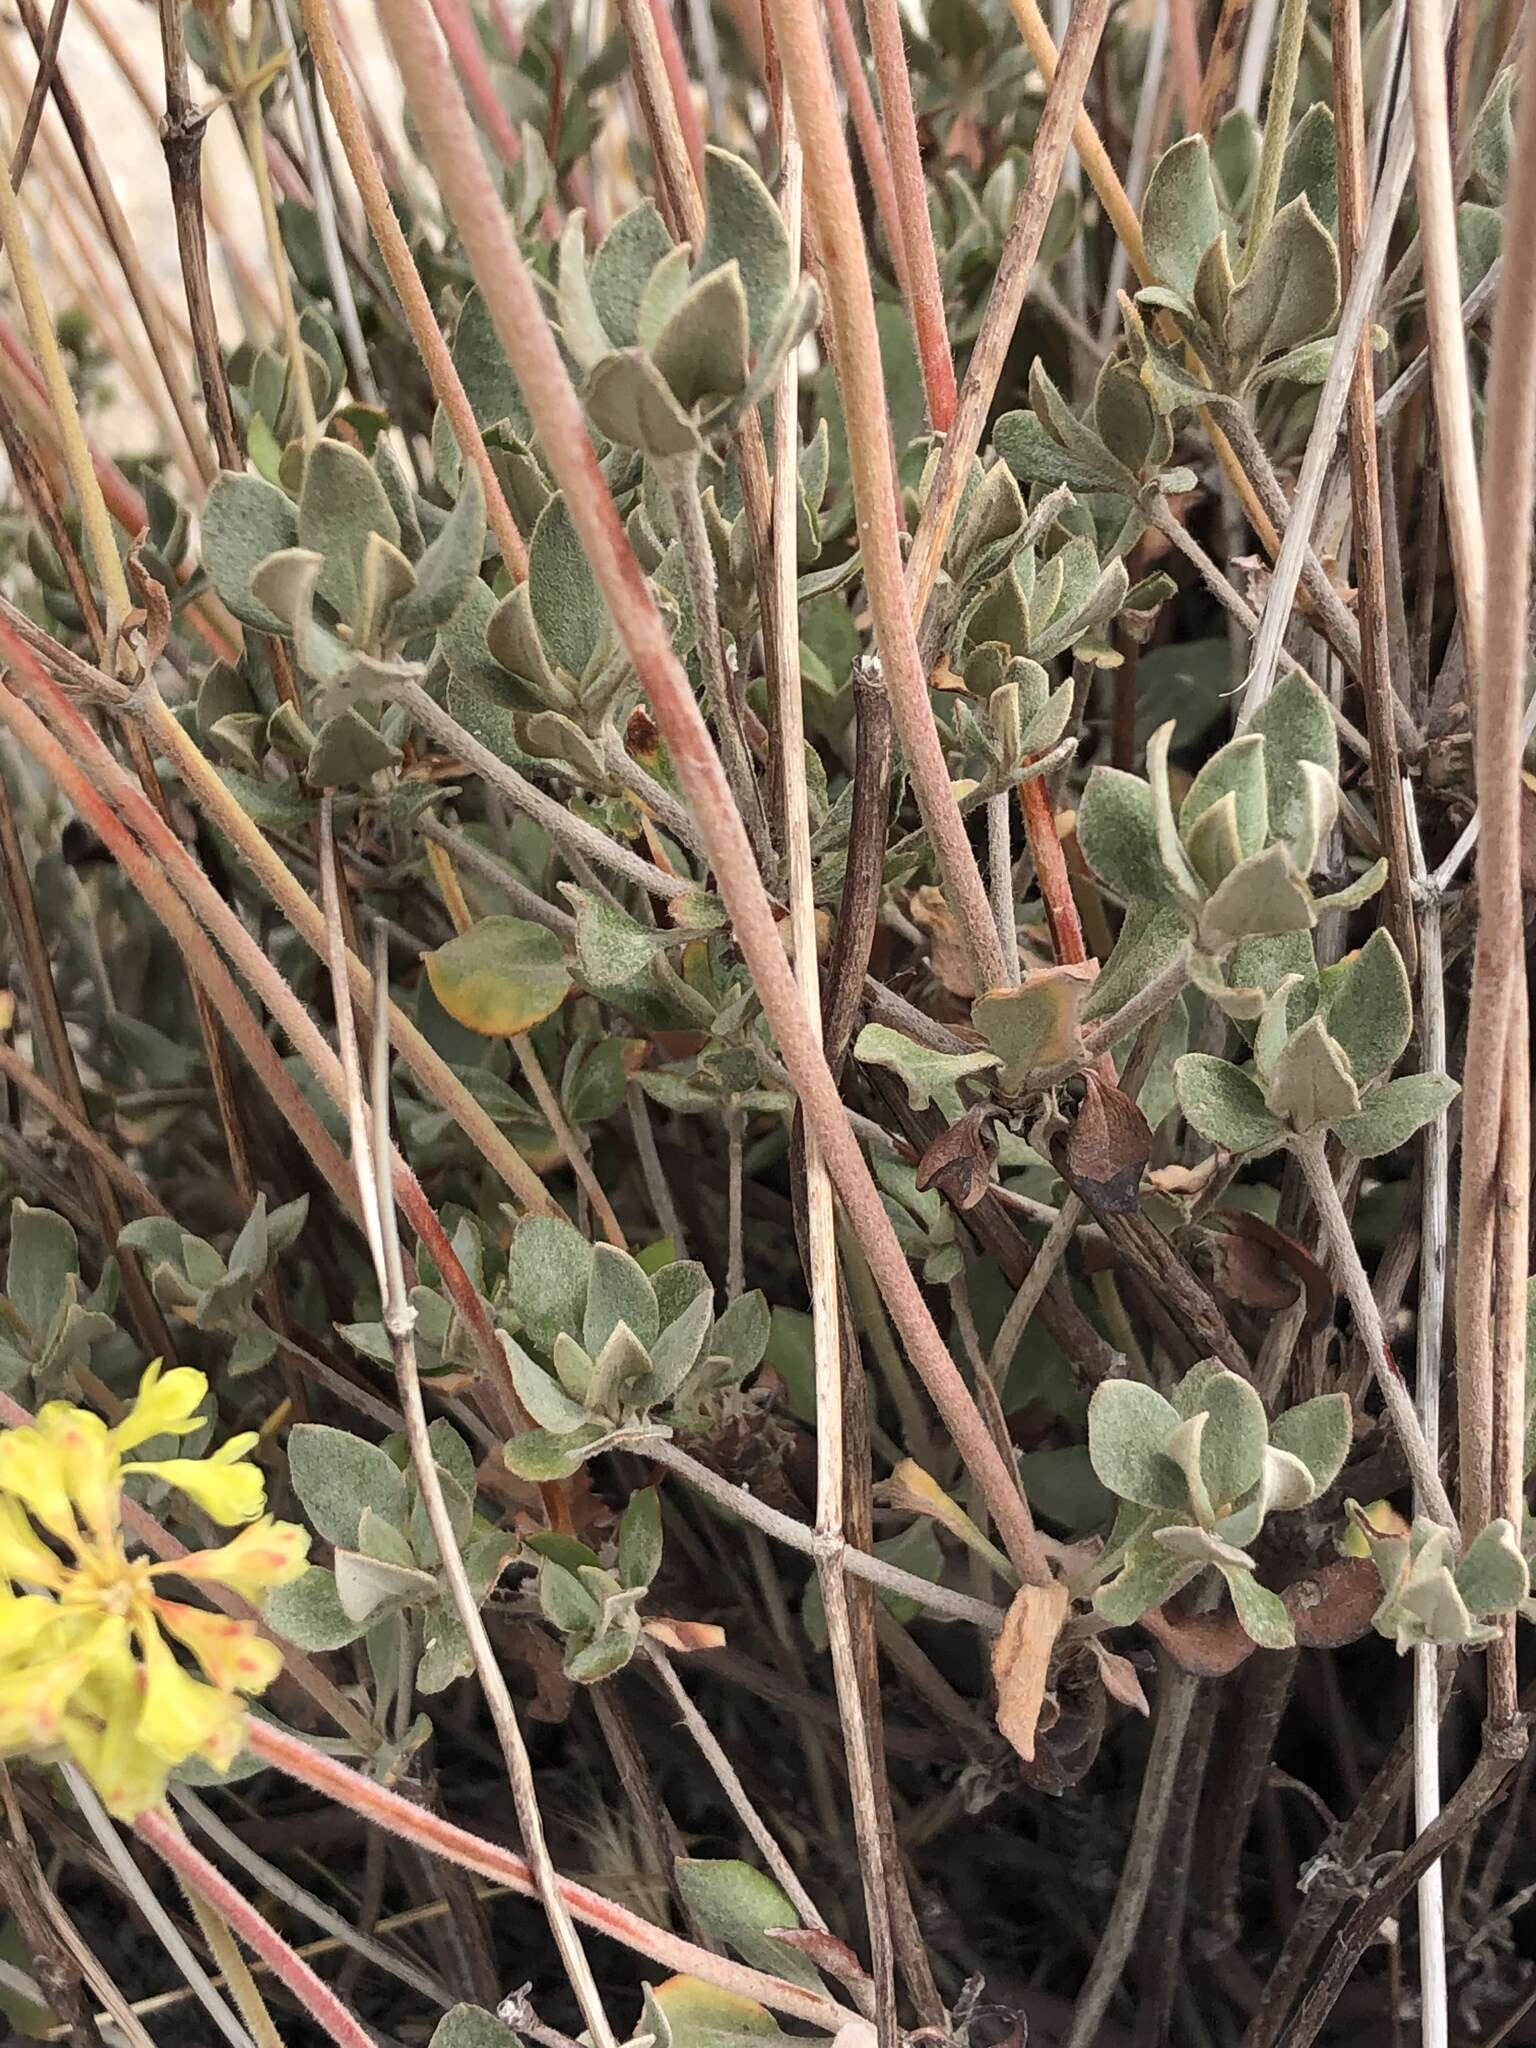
<point x="86" y="1667"/>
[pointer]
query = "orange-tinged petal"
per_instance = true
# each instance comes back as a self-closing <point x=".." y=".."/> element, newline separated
<point x="33" y="1700"/>
<point x="167" y="1405"/>
<point x="231" y="1653"/>
<point x="180" y="1715"/>
<point x="266" y="1554"/>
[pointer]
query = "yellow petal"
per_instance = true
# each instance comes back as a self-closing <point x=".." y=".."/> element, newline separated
<point x="180" y="1716"/>
<point x="167" y="1405"/>
<point x="266" y="1554"/>
<point x="100" y="1731"/>
<point x="223" y="1484"/>
<point x="32" y="1472"/>
<point x="23" y="1553"/>
<point x="22" y="1621"/>
<point x="33" y="1699"/>
<point x="232" y="1654"/>
<point x="89" y="1463"/>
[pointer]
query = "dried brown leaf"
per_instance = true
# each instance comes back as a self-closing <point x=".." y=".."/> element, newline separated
<point x="959" y="1161"/>
<point x="1108" y="1148"/>
<point x="1021" y="1660"/>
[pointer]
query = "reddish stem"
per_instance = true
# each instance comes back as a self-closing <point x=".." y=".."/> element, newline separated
<point x="456" y="1845"/>
<point x="524" y="332"/>
<point x="463" y="39"/>
<point x="682" y="87"/>
<point x="314" y="1995"/>
<point x="925" y="295"/>
<point x="1067" y="939"/>
<point x="866" y="126"/>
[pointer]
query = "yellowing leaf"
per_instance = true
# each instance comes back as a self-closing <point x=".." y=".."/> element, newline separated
<point x="502" y="976"/>
<point x="1383" y="1518"/>
<point x="1021" y="1658"/>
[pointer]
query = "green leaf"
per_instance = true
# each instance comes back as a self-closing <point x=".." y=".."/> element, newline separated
<point x="336" y="1476"/>
<point x="43" y="1262"/>
<point x="1232" y="1442"/>
<point x="1292" y="291"/>
<point x="1493" y="1577"/>
<point x="445" y="572"/>
<point x="308" y="1613"/>
<point x="1225" y="1105"/>
<point x="1392" y="1113"/>
<point x="565" y="1601"/>
<point x="699" y="2015"/>
<point x="741" y="222"/>
<point x="631" y="402"/>
<point x="1150" y="1575"/>
<point x="365" y="1584"/>
<point x="341" y="504"/>
<point x="740" y="1906"/>
<point x="1179" y="215"/>
<point x="629" y="252"/>
<point x="1125" y="418"/>
<point x="1037" y="1024"/>
<point x="566" y="605"/>
<point x="244" y="521"/>
<point x="481" y="361"/>
<point x="923" y="1072"/>
<point x="1311" y="165"/>
<point x="1319" y="1433"/>
<point x="543" y="1454"/>
<point x="1116" y="832"/>
<point x="501" y="977"/>
<point x="618" y="1292"/>
<point x="1261" y="897"/>
<point x="548" y="1267"/>
<point x="640" y="1538"/>
<point x="1129" y="1426"/>
<point x="348" y="752"/>
<point x="1369" y="1007"/>
<point x="1262" y="1613"/>
<point x="1309" y="1083"/>
<point x="663" y="294"/>
<point x="1297" y="727"/>
<point x="741" y="1332"/>
<point x="471" y="2026"/>
<point x="702" y="349"/>
<point x="1237" y="769"/>
<point x="547" y="1402"/>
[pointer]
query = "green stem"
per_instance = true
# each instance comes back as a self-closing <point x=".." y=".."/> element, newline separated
<point x="1277" y="128"/>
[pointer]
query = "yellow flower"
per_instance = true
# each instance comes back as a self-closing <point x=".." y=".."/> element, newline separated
<point x="86" y="1662"/>
<point x="167" y="1405"/>
<point x="264" y="1555"/>
<point x="222" y="1485"/>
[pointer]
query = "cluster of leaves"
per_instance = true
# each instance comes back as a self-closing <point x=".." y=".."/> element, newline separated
<point x="630" y="1354"/>
<point x="1197" y="1475"/>
<point x="385" y="1583"/>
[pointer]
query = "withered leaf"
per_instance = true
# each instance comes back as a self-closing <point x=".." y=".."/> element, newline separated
<point x="959" y="1161"/>
<point x="683" y="1636"/>
<point x="946" y="948"/>
<point x="1121" y="1679"/>
<point x="1287" y="1252"/>
<point x="1108" y="1148"/>
<point x="1021" y="1659"/>
<point x="825" y="1951"/>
